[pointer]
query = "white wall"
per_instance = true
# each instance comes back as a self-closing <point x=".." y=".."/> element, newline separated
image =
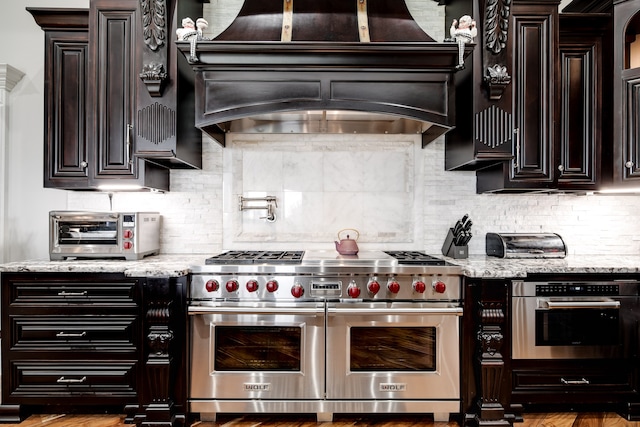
<point x="194" y="211"/>
<point x="23" y="47"/>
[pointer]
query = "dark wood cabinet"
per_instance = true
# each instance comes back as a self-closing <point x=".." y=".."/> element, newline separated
<point x="85" y="145"/>
<point x="94" y="343"/>
<point x="71" y="340"/>
<point x="65" y="83"/>
<point x="534" y="61"/>
<point x="626" y="95"/>
<point x="119" y="99"/>
<point x="113" y="68"/>
<point x="584" y="80"/>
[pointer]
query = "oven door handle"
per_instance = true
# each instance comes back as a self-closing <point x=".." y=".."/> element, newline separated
<point x="255" y="310"/>
<point x="393" y="311"/>
<point x="555" y="305"/>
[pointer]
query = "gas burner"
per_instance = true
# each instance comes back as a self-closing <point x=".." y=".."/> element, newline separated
<point x="256" y="257"/>
<point x="415" y="258"/>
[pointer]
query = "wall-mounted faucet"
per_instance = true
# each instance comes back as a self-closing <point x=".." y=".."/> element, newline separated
<point x="271" y="205"/>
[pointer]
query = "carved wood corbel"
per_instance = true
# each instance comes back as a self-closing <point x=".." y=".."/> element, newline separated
<point x="496" y="36"/>
<point x="154" y="32"/>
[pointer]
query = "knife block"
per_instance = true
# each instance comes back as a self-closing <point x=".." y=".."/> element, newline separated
<point x="451" y="250"/>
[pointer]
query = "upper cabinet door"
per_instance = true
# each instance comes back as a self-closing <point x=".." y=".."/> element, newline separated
<point x="582" y="102"/>
<point x="535" y="58"/>
<point x="65" y="81"/>
<point x="112" y="67"/>
<point x="626" y="94"/>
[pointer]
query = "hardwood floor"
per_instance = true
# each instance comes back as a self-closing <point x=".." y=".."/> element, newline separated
<point x="562" y="419"/>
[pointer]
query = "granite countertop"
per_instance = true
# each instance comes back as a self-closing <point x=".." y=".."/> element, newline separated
<point x="156" y="266"/>
<point x="476" y="266"/>
<point x="482" y="266"/>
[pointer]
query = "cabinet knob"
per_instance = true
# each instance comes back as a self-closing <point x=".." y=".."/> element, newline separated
<point x="84" y="164"/>
<point x="560" y="168"/>
<point x="629" y="164"/>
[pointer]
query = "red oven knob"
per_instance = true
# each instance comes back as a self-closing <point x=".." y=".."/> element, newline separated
<point x="232" y="285"/>
<point x="212" y="285"/>
<point x="252" y="285"/>
<point x="272" y="285"/>
<point x="297" y="290"/>
<point x="373" y="287"/>
<point x="439" y="286"/>
<point x="419" y="286"/>
<point x="393" y="286"/>
<point x="353" y="291"/>
<point x="127" y="234"/>
<point x="127" y="245"/>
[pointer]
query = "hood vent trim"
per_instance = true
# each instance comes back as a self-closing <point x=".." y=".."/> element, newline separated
<point x="318" y="86"/>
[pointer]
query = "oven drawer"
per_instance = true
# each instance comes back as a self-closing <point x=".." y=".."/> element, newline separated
<point x="108" y="381"/>
<point x="74" y="333"/>
<point x="575" y="376"/>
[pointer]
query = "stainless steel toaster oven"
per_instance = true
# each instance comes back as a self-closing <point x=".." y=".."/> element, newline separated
<point x="127" y="235"/>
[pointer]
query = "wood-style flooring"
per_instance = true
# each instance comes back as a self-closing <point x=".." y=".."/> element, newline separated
<point x="562" y="419"/>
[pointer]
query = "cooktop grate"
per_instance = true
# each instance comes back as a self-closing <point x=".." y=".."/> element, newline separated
<point x="257" y="257"/>
<point x="415" y="258"/>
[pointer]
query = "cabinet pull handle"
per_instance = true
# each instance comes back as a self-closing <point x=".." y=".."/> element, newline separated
<point x="129" y="145"/>
<point x="582" y="381"/>
<point x="72" y="294"/>
<point x="64" y="380"/>
<point x="71" y="334"/>
<point x="516" y="133"/>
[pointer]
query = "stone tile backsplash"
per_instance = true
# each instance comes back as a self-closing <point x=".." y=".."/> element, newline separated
<point x="395" y="193"/>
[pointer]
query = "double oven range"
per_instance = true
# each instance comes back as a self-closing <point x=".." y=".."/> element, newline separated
<point x="317" y="332"/>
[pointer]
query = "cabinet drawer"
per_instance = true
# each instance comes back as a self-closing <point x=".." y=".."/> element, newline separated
<point x="72" y="379"/>
<point x="73" y="333"/>
<point x="571" y="380"/>
<point x="50" y="293"/>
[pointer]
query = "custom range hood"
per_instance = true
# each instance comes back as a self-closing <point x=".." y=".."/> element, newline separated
<point x="324" y="66"/>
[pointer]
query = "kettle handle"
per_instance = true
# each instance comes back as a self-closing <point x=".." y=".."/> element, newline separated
<point x="352" y="229"/>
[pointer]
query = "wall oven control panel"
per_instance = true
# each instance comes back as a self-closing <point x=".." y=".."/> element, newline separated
<point x="577" y="289"/>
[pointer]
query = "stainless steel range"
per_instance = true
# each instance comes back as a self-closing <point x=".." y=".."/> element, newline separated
<point x="318" y="332"/>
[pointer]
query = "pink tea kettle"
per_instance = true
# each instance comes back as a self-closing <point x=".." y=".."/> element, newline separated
<point x="347" y="246"/>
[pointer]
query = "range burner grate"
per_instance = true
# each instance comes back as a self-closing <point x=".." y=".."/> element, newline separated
<point x="257" y="257"/>
<point x="415" y="258"/>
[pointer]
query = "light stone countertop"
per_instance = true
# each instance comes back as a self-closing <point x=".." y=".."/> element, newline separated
<point x="152" y="266"/>
<point x="482" y="266"/>
<point x="476" y="266"/>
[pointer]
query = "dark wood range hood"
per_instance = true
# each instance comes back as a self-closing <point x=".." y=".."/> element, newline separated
<point x="334" y="66"/>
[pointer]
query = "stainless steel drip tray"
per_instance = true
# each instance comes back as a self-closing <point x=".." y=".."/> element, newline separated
<point x="334" y="259"/>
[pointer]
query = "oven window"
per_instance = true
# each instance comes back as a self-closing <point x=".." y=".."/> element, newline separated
<point x="88" y="233"/>
<point x="577" y="327"/>
<point x="392" y="349"/>
<point x="257" y="348"/>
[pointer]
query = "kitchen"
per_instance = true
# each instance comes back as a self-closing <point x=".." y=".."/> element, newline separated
<point x="200" y="214"/>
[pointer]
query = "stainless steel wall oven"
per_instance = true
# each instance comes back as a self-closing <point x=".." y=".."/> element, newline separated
<point x="325" y="334"/>
<point x="574" y="319"/>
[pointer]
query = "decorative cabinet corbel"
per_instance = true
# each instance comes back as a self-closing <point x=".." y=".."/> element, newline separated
<point x="154" y="32"/>
<point x="496" y="36"/>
